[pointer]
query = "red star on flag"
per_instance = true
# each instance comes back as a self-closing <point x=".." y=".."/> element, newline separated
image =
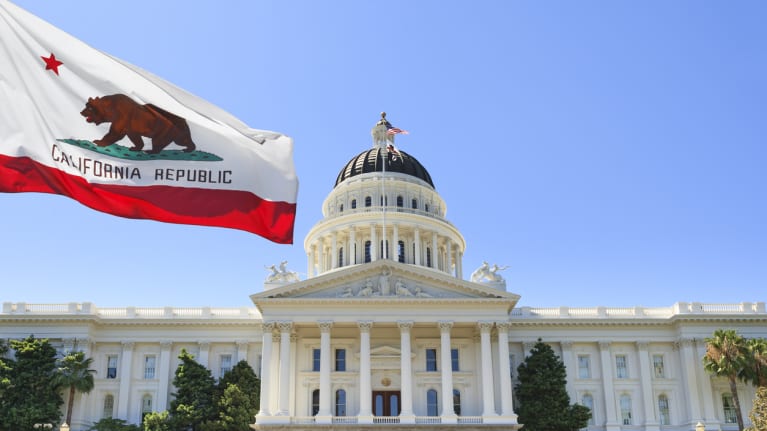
<point x="51" y="63"/>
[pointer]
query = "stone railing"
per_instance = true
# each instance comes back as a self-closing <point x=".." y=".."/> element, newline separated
<point x="680" y="308"/>
<point x="89" y="309"/>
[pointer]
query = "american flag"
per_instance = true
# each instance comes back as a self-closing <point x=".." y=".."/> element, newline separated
<point x="393" y="150"/>
<point x="395" y="131"/>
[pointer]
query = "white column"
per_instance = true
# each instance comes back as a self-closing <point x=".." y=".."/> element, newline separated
<point x="449" y="257"/>
<point x="434" y="252"/>
<point x="242" y="351"/>
<point x="164" y="374"/>
<point x="352" y="248"/>
<point x="334" y="250"/>
<point x="448" y="414"/>
<point x="324" y="415"/>
<point x="709" y="411"/>
<point x="459" y="264"/>
<point x="365" y="415"/>
<point x="265" y="375"/>
<point x="417" y="242"/>
<point x="373" y="243"/>
<point x="203" y="353"/>
<point x="310" y="262"/>
<point x="284" y="384"/>
<point x="568" y="361"/>
<point x="320" y="256"/>
<point x="507" y="401"/>
<point x="395" y="242"/>
<point x="690" y="379"/>
<point x="645" y="374"/>
<point x="274" y="367"/>
<point x="605" y="358"/>
<point x="126" y="361"/>
<point x="406" y="373"/>
<point x="488" y="396"/>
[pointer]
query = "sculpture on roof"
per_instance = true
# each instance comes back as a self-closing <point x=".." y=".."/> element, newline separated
<point x="281" y="274"/>
<point x="487" y="274"/>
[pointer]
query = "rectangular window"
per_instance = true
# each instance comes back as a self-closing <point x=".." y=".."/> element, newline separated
<point x="621" y="367"/>
<point x="315" y="359"/>
<point x="431" y="359"/>
<point x="657" y="366"/>
<point x="149" y="366"/>
<point x="584" y="366"/>
<point x="340" y="359"/>
<point x="730" y="417"/>
<point x="112" y="367"/>
<point x="226" y="364"/>
<point x="109" y="406"/>
<point x="625" y="402"/>
<point x="454" y="360"/>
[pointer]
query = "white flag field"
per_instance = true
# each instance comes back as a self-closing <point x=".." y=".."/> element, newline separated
<point x="77" y="122"/>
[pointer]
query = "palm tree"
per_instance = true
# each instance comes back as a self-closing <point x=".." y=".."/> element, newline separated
<point x="74" y="372"/>
<point x="726" y="357"/>
<point x="756" y="369"/>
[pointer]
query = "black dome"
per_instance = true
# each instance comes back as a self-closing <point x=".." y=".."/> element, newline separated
<point x="371" y="161"/>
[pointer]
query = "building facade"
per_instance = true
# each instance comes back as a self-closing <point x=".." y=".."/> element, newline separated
<point x="386" y="331"/>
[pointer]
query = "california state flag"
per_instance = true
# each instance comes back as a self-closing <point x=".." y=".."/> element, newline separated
<point x="77" y="122"/>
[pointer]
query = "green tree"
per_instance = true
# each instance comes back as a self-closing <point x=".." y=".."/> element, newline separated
<point x="35" y="398"/>
<point x="726" y="357"/>
<point x="758" y="413"/>
<point x="543" y="403"/>
<point x="110" y="424"/>
<point x="234" y="411"/>
<point x="755" y="369"/>
<point x="5" y="379"/>
<point x="75" y="374"/>
<point x="243" y="375"/>
<point x="157" y="421"/>
<point x="193" y="404"/>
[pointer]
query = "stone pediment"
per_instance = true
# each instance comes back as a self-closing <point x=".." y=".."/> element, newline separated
<point x="384" y="280"/>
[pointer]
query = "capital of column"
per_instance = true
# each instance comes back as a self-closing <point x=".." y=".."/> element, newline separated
<point x="166" y="344"/>
<point x="503" y="326"/>
<point x="485" y="326"/>
<point x="128" y="345"/>
<point x="242" y="344"/>
<point x="604" y="345"/>
<point x="365" y="325"/>
<point x="527" y="346"/>
<point x="642" y="345"/>
<point x="285" y="326"/>
<point x="405" y="325"/>
<point x="203" y="344"/>
<point x="325" y="325"/>
<point x="686" y="342"/>
<point x="566" y="345"/>
<point x="267" y="326"/>
<point x="445" y="325"/>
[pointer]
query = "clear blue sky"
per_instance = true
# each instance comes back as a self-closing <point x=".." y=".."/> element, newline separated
<point x="611" y="153"/>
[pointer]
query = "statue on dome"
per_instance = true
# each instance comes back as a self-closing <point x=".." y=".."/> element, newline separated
<point x="487" y="274"/>
<point x="281" y="274"/>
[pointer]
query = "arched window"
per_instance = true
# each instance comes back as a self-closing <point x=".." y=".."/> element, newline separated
<point x="431" y="403"/>
<point x="109" y="406"/>
<point x="457" y="401"/>
<point x="368" y="201"/>
<point x="315" y="402"/>
<point x="384" y="200"/>
<point x="729" y="409"/>
<point x="428" y="257"/>
<point x="400" y="201"/>
<point x="625" y="402"/>
<point x="414" y="204"/>
<point x="340" y="402"/>
<point x="401" y="251"/>
<point x="663" y="410"/>
<point x="341" y="208"/>
<point x="426" y="207"/>
<point x="367" y="251"/>
<point x="354" y="203"/>
<point x="384" y="249"/>
<point x="340" y="256"/>
<point x="146" y="406"/>
<point x="588" y="401"/>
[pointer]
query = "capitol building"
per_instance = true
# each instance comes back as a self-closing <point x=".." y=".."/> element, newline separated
<point x="389" y="330"/>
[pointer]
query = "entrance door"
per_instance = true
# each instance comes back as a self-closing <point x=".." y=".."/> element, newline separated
<point x="386" y="403"/>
